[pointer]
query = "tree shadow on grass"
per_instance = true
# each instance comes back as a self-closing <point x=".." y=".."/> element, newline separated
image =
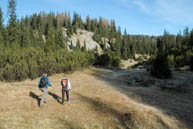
<point x="55" y="96"/>
<point x="33" y="95"/>
<point x="105" y="109"/>
<point x="179" y="105"/>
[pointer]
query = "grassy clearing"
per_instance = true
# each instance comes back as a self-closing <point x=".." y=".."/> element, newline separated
<point x="97" y="102"/>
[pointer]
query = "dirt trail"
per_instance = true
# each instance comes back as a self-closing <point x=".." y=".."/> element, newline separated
<point x="97" y="102"/>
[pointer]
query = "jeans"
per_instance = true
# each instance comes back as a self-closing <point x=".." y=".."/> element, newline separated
<point x="67" y="95"/>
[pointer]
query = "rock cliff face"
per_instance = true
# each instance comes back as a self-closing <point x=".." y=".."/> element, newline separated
<point x="84" y="37"/>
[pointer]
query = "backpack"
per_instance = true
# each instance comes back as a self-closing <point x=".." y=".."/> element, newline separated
<point x="64" y="83"/>
<point x="43" y="82"/>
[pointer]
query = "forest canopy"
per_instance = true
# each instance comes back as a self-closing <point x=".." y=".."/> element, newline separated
<point x="36" y="44"/>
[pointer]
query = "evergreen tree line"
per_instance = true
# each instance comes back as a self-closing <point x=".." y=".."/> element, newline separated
<point x="40" y="29"/>
<point x="43" y="35"/>
<point x="37" y="43"/>
<point x="123" y="45"/>
<point x="173" y="51"/>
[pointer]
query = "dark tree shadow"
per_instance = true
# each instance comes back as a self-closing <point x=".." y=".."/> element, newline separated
<point x="104" y="109"/>
<point x="176" y="104"/>
<point x="33" y="95"/>
<point x="55" y="96"/>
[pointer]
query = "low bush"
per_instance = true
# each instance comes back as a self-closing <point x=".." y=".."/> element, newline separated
<point x="116" y="61"/>
<point x="191" y="63"/>
<point x="108" y="59"/>
<point x="19" y="64"/>
<point x="160" y="68"/>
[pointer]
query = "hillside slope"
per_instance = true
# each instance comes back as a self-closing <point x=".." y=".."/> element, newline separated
<point x="99" y="100"/>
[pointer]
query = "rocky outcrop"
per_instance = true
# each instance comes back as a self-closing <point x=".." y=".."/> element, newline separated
<point x="125" y="64"/>
<point x="84" y="37"/>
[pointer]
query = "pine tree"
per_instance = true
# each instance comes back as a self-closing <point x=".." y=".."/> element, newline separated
<point x="13" y="29"/>
<point x="69" y="27"/>
<point x="84" y="47"/>
<point x="96" y="51"/>
<point x="118" y="43"/>
<point x="71" y="45"/>
<point x="112" y="26"/>
<point x="75" y="22"/>
<point x="43" y="22"/>
<point x="124" y="46"/>
<point x="129" y="55"/>
<point x="66" y="19"/>
<point x="1" y="28"/>
<point x="191" y="41"/>
<point x="33" y="38"/>
<point x="88" y="23"/>
<point x="60" y="39"/>
<point x="94" y="24"/>
<point x="50" y="30"/>
<point x="179" y="40"/>
<point x="78" y="44"/>
<point x="25" y="36"/>
<point x="39" y="23"/>
<point x="80" y="23"/>
<point x="57" y="22"/>
<point x="161" y="67"/>
<point x="34" y="21"/>
<point x="133" y="51"/>
<point x="185" y="39"/>
<point x="160" y="46"/>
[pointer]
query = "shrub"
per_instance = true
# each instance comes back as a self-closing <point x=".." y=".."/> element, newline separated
<point x="189" y="54"/>
<point x="191" y="63"/>
<point x="51" y="65"/>
<point x="116" y="61"/>
<point x="103" y="60"/>
<point x="19" y="64"/>
<point x="130" y="67"/>
<point x="171" y="61"/>
<point x="9" y="73"/>
<point x="108" y="59"/>
<point x="21" y="70"/>
<point x="33" y="69"/>
<point x="160" y="68"/>
<point x="140" y="59"/>
<point x="1" y="75"/>
<point x="179" y="60"/>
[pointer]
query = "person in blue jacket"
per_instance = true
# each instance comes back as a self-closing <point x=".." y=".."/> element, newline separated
<point x="43" y="85"/>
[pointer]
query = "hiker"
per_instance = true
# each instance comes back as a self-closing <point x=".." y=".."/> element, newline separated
<point x="66" y="86"/>
<point x="43" y="85"/>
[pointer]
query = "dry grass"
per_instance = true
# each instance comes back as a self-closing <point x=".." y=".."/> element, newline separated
<point x="95" y="104"/>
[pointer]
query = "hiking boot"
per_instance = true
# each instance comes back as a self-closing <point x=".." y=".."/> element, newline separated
<point x="41" y="105"/>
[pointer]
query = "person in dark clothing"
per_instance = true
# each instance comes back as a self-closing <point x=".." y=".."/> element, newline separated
<point x="66" y="86"/>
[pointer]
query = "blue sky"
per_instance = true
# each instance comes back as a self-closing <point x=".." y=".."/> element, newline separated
<point x="149" y="17"/>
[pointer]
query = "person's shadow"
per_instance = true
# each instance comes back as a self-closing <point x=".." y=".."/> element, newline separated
<point x="33" y="95"/>
<point x="56" y="97"/>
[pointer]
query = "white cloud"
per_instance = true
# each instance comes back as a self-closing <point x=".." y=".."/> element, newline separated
<point x="175" y="12"/>
<point x="142" y="6"/>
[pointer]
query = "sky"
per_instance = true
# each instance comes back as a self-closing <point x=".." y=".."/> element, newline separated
<point x="148" y="17"/>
